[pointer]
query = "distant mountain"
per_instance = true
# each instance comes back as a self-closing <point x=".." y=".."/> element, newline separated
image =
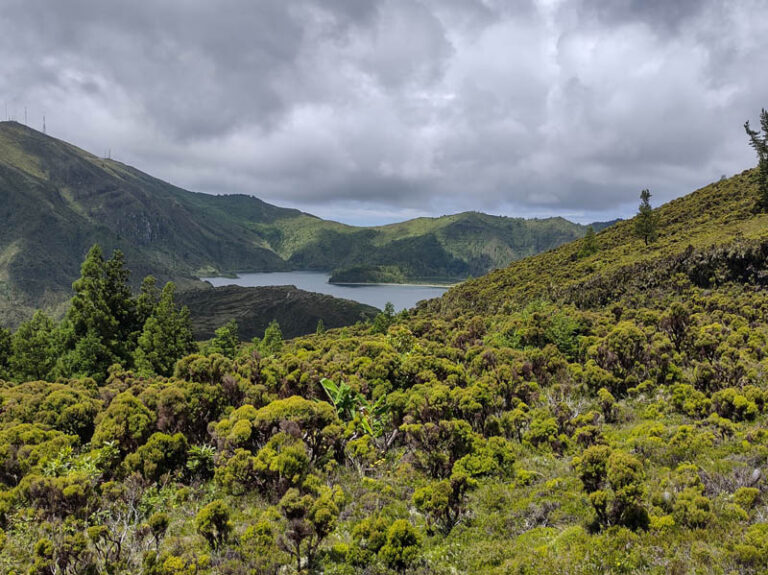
<point x="56" y="200"/>
<point x="600" y="226"/>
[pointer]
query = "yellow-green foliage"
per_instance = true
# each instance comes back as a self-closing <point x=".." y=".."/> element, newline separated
<point x="616" y="429"/>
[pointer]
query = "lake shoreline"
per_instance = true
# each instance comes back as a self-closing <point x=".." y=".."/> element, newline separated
<point x="402" y="296"/>
<point x="394" y="284"/>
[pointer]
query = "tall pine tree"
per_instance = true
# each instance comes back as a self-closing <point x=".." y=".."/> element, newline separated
<point x="645" y="222"/>
<point x="760" y="144"/>
<point x="166" y="337"/>
<point x="101" y="322"/>
<point x="146" y="303"/>
<point x="33" y="349"/>
<point x="121" y="304"/>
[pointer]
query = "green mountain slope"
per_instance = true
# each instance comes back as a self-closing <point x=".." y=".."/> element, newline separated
<point x="710" y="236"/>
<point x="56" y="200"/>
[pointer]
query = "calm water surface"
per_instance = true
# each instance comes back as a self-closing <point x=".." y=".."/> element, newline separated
<point x="401" y="296"/>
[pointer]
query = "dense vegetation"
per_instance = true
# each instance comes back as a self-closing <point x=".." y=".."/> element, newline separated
<point x="57" y="200"/>
<point x="589" y="410"/>
<point x="105" y="325"/>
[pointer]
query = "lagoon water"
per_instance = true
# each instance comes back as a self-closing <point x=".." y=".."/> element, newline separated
<point x="402" y="296"/>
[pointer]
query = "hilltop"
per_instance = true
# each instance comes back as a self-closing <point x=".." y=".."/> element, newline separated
<point x="57" y="200"/>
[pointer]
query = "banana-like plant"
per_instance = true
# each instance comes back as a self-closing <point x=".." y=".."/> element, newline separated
<point x="342" y="396"/>
<point x="350" y="403"/>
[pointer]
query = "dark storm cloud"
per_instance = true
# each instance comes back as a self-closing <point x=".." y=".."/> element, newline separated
<point x="665" y="14"/>
<point x="353" y="108"/>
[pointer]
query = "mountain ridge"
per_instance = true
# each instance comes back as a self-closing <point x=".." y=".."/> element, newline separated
<point x="58" y="199"/>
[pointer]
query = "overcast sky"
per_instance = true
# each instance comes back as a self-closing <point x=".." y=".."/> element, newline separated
<point x="370" y="112"/>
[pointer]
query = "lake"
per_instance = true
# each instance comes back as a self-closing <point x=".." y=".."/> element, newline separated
<point x="402" y="296"/>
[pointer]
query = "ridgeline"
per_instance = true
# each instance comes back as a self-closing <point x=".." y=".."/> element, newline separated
<point x="58" y="200"/>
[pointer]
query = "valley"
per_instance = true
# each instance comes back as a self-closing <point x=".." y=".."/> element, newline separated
<point x="57" y="200"/>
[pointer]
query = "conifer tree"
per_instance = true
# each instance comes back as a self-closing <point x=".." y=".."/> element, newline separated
<point x="645" y="221"/>
<point x="88" y="358"/>
<point x="33" y="348"/>
<point x="384" y="319"/>
<point x="146" y="303"/>
<point x="5" y="352"/>
<point x="226" y="340"/>
<point x="760" y="144"/>
<point x="166" y="337"/>
<point x="273" y="339"/>
<point x="101" y="318"/>
<point x="120" y="302"/>
<point x="589" y="246"/>
<point x="90" y="309"/>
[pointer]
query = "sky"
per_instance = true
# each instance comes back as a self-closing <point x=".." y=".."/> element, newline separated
<point x="370" y="112"/>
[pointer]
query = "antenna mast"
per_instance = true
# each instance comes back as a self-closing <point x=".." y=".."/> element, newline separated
<point x="44" y="132"/>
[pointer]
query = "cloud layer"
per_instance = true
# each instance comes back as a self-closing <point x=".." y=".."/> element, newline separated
<point x="376" y="111"/>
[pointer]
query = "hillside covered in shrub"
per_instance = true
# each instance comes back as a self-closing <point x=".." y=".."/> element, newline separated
<point x="596" y="410"/>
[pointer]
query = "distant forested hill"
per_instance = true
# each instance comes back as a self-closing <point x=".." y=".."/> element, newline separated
<point x="57" y="200"/>
<point x="253" y="308"/>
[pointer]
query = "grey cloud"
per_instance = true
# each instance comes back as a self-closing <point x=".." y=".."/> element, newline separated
<point x="401" y="106"/>
<point x="666" y="15"/>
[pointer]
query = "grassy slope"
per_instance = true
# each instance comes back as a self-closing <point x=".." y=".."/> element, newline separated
<point x="720" y="214"/>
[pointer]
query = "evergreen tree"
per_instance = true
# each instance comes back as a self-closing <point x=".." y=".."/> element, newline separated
<point x="589" y="246"/>
<point x="102" y="311"/>
<point x="225" y="340"/>
<point x="166" y="337"/>
<point x="646" y="222"/>
<point x="121" y="304"/>
<point x="760" y="144"/>
<point x="384" y="319"/>
<point x="5" y="352"/>
<point x="90" y="308"/>
<point x="101" y="321"/>
<point x="85" y="356"/>
<point x="320" y="330"/>
<point x="146" y="303"/>
<point x="273" y="339"/>
<point x="33" y="349"/>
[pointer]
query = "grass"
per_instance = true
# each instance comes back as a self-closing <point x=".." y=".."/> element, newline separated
<point x="720" y="214"/>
